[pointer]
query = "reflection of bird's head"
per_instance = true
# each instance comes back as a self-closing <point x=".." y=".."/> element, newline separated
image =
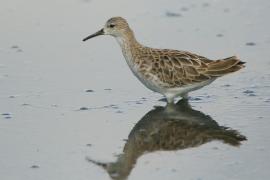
<point x="116" y="170"/>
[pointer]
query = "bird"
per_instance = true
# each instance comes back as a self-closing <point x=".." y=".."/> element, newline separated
<point x="172" y="73"/>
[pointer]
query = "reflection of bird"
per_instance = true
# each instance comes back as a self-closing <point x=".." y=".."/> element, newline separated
<point x="173" y="127"/>
<point x="169" y="72"/>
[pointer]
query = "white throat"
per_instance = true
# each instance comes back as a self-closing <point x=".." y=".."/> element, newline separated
<point x="126" y="49"/>
<point x="120" y="40"/>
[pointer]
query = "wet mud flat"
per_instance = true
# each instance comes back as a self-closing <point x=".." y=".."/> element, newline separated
<point x="73" y="110"/>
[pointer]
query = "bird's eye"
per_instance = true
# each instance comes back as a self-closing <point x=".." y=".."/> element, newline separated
<point x="111" y="25"/>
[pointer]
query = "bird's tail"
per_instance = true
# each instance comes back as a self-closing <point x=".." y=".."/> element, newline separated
<point x="224" y="66"/>
<point x="228" y="136"/>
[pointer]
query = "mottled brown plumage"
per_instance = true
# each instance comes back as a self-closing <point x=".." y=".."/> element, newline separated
<point x="170" y="72"/>
<point x="179" y="68"/>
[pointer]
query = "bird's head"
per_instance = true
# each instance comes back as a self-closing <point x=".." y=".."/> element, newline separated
<point x="116" y="26"/>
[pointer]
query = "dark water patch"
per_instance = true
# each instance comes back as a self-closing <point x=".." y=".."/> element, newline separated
<point x="195" y="98"/>
<point x="89" y="145"/>
<point x="250" y="44"/>
<point x="143" y="98"/>
<point x="14" y="47"/>
<point x="136" y="102"/>
<point x="6" y="114"/>
<point x="17" y="48"/>
<point x="201" y="98"/>
<point x="206" y="4"/>
<point x="184" y="9"/>
<point x="219" y="35"/>
<point x="172" y="14"/>
<point x="11" y="97"/>
<point x="208" y="96"/>
<point x="89" y="90"/>
<point x="249" y="93"/>
<point x="25" y="104"/>
<point x="140" y="101"/>
<point x="35" y="166"/>
<point x="226" y="85"/>
<point x="113" y="106"/>
<point x="84" y="108"/>
<point x="119" y="112"/>
<point x="107" y="89"/>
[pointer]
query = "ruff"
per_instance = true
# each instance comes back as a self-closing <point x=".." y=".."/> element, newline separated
<point x="169" y="72"/>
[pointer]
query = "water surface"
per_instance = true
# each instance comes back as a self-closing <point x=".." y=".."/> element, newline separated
<point x="73" y="110"/>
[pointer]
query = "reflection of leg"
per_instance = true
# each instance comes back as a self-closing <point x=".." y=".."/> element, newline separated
<point x="170" y="98"/>
<point x="183" y="103"/>
<point x="163" y="99"/>
<point x="185" y="96"/>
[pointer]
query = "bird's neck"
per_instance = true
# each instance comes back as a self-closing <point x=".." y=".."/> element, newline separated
<point x="129" y="46"/>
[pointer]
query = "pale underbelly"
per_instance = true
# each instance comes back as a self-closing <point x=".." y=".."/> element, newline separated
<point x="150" y="81"/>
<point x="183" y="90"/>
<point x="154" y="84"/>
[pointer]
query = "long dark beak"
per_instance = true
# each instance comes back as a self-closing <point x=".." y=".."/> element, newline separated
<point x="100" y="32"/>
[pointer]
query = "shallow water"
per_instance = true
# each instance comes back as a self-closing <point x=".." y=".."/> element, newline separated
<point x="73" y="110"/>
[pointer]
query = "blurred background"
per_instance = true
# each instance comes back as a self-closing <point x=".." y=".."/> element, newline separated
<point x="62" y="99"/>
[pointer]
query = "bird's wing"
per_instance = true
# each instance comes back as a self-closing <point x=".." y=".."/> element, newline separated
<point x="179" y="68"/>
